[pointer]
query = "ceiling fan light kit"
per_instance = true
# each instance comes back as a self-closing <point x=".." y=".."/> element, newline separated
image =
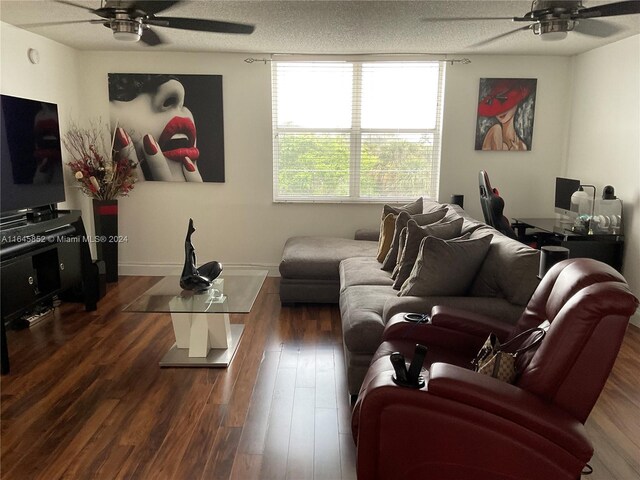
<point x="126" y="30"/>
<point x="553" y="19"/>
<point x="554" y="29"/>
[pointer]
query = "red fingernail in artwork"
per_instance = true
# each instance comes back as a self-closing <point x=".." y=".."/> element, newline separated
<point x="149" y="146"/>
<point x="121" y="138"/>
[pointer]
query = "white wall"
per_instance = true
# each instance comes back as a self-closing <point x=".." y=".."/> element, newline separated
<point x="604" y="138"/>
<point x="526" y="180"/>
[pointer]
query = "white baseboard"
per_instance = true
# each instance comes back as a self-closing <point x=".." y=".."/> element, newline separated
<point x="161" y="270"/>
<point x="635" y="318"/>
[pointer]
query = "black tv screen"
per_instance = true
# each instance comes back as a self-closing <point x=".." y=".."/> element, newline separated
<point x="31" y="155"/>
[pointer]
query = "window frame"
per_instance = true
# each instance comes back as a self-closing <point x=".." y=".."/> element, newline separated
<point x="355" y="133"/>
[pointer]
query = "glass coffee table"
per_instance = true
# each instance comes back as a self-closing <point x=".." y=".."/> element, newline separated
<point x="204" y="335"/>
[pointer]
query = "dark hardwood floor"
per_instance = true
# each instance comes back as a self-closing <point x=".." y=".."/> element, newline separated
<point x="86" y="399"/>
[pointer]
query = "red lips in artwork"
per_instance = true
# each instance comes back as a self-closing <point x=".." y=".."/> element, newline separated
<point x="178" y="140"/>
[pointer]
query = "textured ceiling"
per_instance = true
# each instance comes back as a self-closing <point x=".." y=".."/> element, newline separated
<point x="325" y="27"/>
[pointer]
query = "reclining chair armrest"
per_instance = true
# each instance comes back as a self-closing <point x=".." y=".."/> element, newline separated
<point x="469" y="322"/>
<point x="428" y="334"/>
<point x="448" y="327"/>
<point x="512" y="403"/>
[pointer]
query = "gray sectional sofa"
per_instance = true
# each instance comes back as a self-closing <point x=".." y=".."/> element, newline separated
<point x="326" y="269"/>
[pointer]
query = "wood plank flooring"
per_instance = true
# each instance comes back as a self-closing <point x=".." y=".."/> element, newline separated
<point x="86" y="399"/>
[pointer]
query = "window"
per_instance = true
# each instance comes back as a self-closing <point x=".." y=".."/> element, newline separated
<point x="356" y="131"/>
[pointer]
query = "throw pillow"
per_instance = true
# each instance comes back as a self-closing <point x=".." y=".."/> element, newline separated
<point x="387" y="228"/>
<point x="446" y="267"/>
<point x="401" y="222"/>
<point x="401" y="241"/>
<point x="415" y="234"/>
<point x="429" y="206"/>
<point x="412" y="208"/>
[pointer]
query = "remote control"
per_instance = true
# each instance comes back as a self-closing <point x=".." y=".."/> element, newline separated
<point x="399" y="365"/>
<point x="416" y="364"/>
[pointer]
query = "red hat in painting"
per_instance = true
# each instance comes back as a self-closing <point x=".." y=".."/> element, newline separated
<point x="504" y="95"/>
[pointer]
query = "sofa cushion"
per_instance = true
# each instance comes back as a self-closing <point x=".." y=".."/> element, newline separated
<point x="446" y="267"/>
<point x="509" y="271"/>
<point x="362" y="271"/>
<point x="415" y="234"/>
<point x="372" y="234"/>
<point x="387" y="227"/>
<point x="401" y="222"/>
<point x="361" y="308"/>
<point x="319" y="257"/>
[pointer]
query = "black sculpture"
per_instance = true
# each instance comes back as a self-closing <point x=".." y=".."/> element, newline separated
<point x="194" y="278"/>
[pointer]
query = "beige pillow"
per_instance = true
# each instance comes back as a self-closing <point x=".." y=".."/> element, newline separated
<point x="446" y="267"/>
<point x="415" y="233"/>
<point x="387" y="227"/>
<point x="401" y="221"/>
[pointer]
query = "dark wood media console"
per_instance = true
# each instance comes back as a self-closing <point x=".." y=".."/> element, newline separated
<point x="41" y="258"/>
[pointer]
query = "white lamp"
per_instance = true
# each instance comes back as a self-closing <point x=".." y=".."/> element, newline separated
<point x="580" y="203"/>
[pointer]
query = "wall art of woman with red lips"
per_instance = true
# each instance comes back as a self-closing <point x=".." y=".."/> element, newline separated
<point x="506" y="108"/>
<point x="171" y="124"/>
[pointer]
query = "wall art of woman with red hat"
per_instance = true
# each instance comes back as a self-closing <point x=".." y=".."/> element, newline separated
<point x="505" y="113"/>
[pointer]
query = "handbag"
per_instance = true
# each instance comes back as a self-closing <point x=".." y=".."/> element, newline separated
<point x="499" y="360"/>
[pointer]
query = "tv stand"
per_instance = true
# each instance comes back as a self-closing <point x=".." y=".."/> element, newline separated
<point x="40" y="214"/>
<point x="41" y="259"/>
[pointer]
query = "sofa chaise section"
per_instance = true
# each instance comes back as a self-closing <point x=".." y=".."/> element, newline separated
<point x="309" y="267"/>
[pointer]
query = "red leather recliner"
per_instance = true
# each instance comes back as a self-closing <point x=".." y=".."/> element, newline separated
<point x="464" y="425"/>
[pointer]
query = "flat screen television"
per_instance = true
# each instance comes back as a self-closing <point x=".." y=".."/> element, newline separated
<point x="565" y="187"/>
<point x="31" y="173"/>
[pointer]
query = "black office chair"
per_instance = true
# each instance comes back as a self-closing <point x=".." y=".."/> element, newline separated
<point x="493" y="207"/>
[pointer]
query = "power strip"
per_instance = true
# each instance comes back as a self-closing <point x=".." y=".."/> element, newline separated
<point x="33" y="319"/>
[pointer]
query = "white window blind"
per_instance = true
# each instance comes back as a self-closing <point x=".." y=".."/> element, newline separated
<point x="356" y="131"/>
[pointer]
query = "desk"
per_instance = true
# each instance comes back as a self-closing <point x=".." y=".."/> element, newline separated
<point x="606" y="248"/>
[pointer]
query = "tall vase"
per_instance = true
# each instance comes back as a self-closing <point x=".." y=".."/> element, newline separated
<point x="105" y="218"/>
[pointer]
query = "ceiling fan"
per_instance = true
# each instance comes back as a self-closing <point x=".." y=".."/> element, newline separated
<point x="131" y="20"/>
<point x="553" y="19"/>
